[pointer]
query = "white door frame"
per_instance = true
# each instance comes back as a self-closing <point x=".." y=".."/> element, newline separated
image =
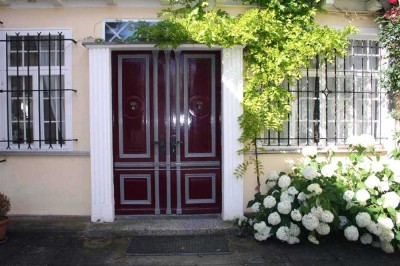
<point x="101" y="138"/>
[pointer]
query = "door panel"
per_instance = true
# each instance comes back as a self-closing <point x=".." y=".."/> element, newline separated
<point x="199" y="106"/>
<point x="134" y="106"/>
<point x="167" y="132"/>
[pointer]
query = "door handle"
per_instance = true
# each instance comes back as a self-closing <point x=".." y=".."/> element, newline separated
<point x="174" y="143"/>
<point x="161" y="145"/>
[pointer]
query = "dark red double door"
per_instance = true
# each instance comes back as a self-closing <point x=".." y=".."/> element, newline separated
<point x="166" y="120"/>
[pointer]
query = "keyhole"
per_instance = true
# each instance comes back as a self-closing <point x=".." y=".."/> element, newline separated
<point x="199" y="105"/>
<point x="133" y="105"/>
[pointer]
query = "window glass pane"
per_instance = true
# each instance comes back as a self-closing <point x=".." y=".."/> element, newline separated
<point x="53" y="112"/>
<point x="120" y="30"/>
<point x="23" y="51"/>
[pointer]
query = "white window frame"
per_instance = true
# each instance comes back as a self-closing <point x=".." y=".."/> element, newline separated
<point x="387" y="121"/>
<point x="66" y="72"/>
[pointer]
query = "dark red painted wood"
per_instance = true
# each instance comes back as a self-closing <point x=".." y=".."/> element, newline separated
<point x="199" y="77"/>
<point x="134" y="105"/>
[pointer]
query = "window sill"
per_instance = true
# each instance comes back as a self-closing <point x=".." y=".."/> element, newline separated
<point x="297" y="150"/>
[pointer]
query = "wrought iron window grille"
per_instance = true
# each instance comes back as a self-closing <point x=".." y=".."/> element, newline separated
<point x="35" y="91"/>
<point x="335" y="100"/>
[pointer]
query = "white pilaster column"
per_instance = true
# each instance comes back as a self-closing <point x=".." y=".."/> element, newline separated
<point x="101" y="134"/>
<point x="232" y="95"/>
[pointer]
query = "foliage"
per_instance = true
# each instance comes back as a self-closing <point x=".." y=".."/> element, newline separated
<point x="279" y="36"/>
<point x="4" y="205"/>
<point x="389" y="36"/>
<point x="359" y="195"/>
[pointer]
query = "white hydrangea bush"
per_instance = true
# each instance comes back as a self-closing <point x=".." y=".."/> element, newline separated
<point x="358" y="195"/>
<point x="371" y="195"/>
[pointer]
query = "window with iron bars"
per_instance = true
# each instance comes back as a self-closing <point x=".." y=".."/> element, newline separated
<point x="335" y="100"/>
<point x="36" y="88"/>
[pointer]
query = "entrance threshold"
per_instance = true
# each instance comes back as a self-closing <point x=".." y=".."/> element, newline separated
<point x="169" y="217"/>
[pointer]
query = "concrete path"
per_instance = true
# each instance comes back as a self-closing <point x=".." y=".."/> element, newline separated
<point x="75" y="241"/>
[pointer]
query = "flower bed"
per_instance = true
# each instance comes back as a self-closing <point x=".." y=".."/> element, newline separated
<point x="358" y="195"/>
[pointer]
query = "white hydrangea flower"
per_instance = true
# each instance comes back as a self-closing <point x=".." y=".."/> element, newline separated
<point x="362" y="196"/>
<point x="329" y="170"/>
<point x="351" y="233"/>
<point x="284" y="207"/>
<point x="320" y="160"/>
<point x="313" y="239"/>
<point x="365" y="165"/>
<point x="271" y="184"/>
<point x="363" y="219"/>
<point x="384" y="186"/>
<point x="397" y="217"/>
<point x="293" y="240"/>
<point x="315" y="188"/>
<point x="390" y="199"/>
<point x="331" y="148"/>
<point x="343" y="221"/>
<point x="283" y="233"/>
<point x="372" y="181"/>
<point x="364" y="140"/>
<point x="366" y="239"/>
<point x="348" y="195"/>
<point x="296" y="215"/>
<point x="269" y="202"/>
<point x="317" y="212"/>
<point x="292" y="191"/>
<point x="377" y="167"/>
<point x="285" y="196"/>
<point x="290" y="164"/>
<point x="386" y="236"/>
<point x="272" y="176"/>
<point x="255" y="207"/>
<point x="310" y="222"/>
<point x="396" y="178"/>
<point x="309" y="151"/>
<point x="294" y="230"/>
<point x="242" y="220"/>
<point x="260" y="236"/>
<point x="259" y="227"/>
<point x="374" y="228"/>
<point x="274" y="218"/>
<point x="367" y="141"/>
<point x="263" y="231"/>
<point x="306" y="160"/>
<point x="353" y="140"/>
<point x="301" y="197"/>
<point x="385" y="223"/>
<point x="284" y="181"/>
<point x="309" y="172"/>
<point x="387" y="247"/>
<point x="327" y="216"/>
<point x="394" y="166"/>
<point x="323" y="229"/>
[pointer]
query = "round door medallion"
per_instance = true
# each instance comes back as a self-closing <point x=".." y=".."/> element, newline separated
<point x="133" y="107"/>
<point x="199" y="106"/>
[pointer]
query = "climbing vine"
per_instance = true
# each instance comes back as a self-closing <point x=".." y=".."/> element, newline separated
<point x="280" y="37"/>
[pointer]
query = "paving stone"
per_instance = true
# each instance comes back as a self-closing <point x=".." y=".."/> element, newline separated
<point x="30" y="244"/>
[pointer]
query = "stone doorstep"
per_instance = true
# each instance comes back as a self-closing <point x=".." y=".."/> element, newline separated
<point x="124" y="226"/>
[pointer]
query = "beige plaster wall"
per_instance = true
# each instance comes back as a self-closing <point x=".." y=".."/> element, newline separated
<point x="60" y="185"/>
<point x="47" y="185"/>
<point x="50" y="184"/>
